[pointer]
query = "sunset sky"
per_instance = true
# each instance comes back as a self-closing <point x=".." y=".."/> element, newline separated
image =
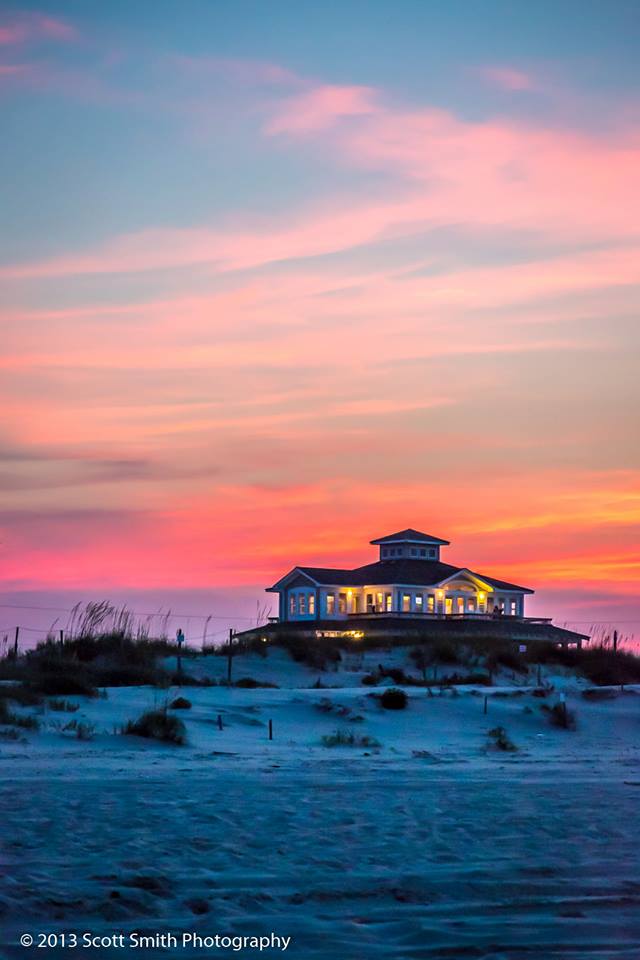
<point x="280" y="277"/>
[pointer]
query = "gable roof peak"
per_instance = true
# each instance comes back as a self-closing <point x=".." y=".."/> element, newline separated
<point x="410" y="536"/>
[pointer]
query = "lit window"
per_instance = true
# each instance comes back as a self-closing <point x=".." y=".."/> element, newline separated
<point x="406" y="602"/>
<point x="292" y="604"/>
<point x="387" y="602"/>
<point x="448" y="605"/>
<point x="331" y="603"/>
<point x="431" y="603"/>
<point x="419" y="602"/>
<point x="513" y="608"/>
<point x="302" y="604"/>
<point x="312" y="604"/>
<point x="342" y="603"/>
<point x="460" y="604"/>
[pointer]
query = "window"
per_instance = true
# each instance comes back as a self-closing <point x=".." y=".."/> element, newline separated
<point x="292" y="604"/>
<point x="414" y="552"/>
<point x="388" y="602"/>
<point x="471" y="605"/>
<point x="448" y="605"/>
<point x="460" y="604"/>
<point x="406" y="602"/>
<point x="419" y="602"/>
<point x="432" y="553"/>
<point x="423" y="552"/>
<point x="331" y="604"/>
<point x="392" y="551"/>
<point x="302" y="604"/>
<point x="342" y="603"/>
<point x="379" y="602"/>
<point x="369" y="603"/>
<point x="512" y="608"/>
<point x="312" y="604"/>
<point x="384" y="552"/>
<point x="431" y="603"/>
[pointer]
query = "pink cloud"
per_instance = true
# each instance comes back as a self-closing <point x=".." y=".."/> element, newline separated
<point x="32" y="27"/>
<point x="320" y="108"/>
<point x="494" y="174"/>
<point x="507" y="78"/>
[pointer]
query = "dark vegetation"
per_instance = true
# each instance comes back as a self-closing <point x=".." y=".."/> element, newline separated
<point x="158" y="725"/>
<point x="394" y="699"/>
<point x="347" y="738"/>
<point x="560" y="716"/>
<point x="499" y="739"/>
<point x="180" y="703"/>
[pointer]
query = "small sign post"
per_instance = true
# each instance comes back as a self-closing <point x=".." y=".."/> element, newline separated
<point x="179" y="641"/>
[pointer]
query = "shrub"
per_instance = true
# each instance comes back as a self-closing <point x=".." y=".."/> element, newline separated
<point x="370" y="680"/>
<point x="394" y="699"/>
<point x="27" y="723"/>
<point x="63" y="706"/>
<point x="63" y="684"/>
<point x="248" y="683"/>
<point x="158" y="725"/>
<point x="20" y="694"/>
<point x="560" y="716"/>
<point x="180" y="703"/>
<point x="506" y="657"/>
<point x="347" y="738"/>
<point x="81" y="729"/>
<point x="501" y="740"/>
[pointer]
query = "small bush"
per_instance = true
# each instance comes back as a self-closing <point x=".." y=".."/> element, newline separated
<point x="82" y="730"/>
<point x="158" y="725"/>
<point x="394" y="699"/>
<point x="560" y="716"/>
<point x="501" y="740"/>
<point x="63" y="706"/>
<point x="370" y="680"/>
<point x="12" y="735"/>
<point x="180" y="703"/>
<point x="27" y="723"/>
<point x="603" y="694"/>
<point x="248" y="683"/>
<point x="347" y="738"/>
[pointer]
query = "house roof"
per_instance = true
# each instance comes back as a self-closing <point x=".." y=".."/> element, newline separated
<point x="421" y="573"/>
<point x="410" y="535"/>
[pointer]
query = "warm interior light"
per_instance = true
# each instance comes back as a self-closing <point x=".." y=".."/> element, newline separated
<point x="481" y="595"/>
<point x="440" y="594"/>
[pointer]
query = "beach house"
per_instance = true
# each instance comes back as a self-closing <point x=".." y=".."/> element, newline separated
<point x="409" y="579"/>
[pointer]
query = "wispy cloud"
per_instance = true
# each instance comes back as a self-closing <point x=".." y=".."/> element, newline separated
<point x="507" y="78"/>
<point x="32" y="27"/>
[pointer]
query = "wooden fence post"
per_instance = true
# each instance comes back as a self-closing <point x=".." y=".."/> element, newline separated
<point x="230" y="656"/>
<point x="15" y="642"/>
<point x="270" y="729"/>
